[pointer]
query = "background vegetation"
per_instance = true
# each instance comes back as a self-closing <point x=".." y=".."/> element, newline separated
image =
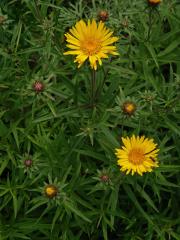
<point x="69" y="143"/>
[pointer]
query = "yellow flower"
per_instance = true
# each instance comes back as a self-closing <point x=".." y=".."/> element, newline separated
<point x="90" y="41"/>
<point x="129" y="108"/>
<point x="51" y="190"/>
<point x="138" y="155"/>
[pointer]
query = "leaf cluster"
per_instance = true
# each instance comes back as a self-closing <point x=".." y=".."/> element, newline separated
<point x="71" y="142"/>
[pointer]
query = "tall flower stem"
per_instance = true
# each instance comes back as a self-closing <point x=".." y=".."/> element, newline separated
<point x="100" y="88"/>
<point x="149" y="23"/>
<point x="38" y="11"/>
<point x="93" y="87"/>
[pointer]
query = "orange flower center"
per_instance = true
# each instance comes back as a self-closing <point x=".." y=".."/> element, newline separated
<point x="91" y="46"/>
<point x="129" y="107"/>
<point x="136" y="156"/>
<point x="51" y="191"/>
<point x="154" y="1"/>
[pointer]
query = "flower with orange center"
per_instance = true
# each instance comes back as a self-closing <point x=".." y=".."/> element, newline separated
<point x="138" y="155"/>
<point x="129" y="108"/>
<point x="154" y="2"/>
<point x="51" y="190"/>
<point x="90" y="41"/>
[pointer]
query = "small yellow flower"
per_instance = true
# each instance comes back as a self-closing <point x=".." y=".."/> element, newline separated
<point x="154" y="2"/>
<point x="51" y="190"/>
<point x="90" y="41"/>
<point x="138" y="155"/>
<point x="129" y="107"/>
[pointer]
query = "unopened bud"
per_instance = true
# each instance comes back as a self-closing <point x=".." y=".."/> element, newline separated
<point x="103" y="15"/>
<point x="38" y="86"/>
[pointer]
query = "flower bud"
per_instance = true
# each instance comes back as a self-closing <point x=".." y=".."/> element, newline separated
<point x="154" y="2"/>
<point x="28" y="162"/>
<point x="51" y="191"/>
<point x="129" y="108"/>
<point x="38" y="86"/>
<point x="104" y="178"/>
<point x="103" y="15"/>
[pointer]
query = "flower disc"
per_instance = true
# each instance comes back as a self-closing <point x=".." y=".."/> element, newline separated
<point x="138" y="155"/>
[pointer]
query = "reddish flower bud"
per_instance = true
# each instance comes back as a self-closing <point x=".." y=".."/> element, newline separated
<point x="104" y="178"/>
<point x="103" y="15"/>
<point x="38" y="86"/>
<point x="28" y="162"/>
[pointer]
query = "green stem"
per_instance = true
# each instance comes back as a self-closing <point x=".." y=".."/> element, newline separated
<point x="99" y="90"/>
<point x="150" y="24"/>
<point x="93" y="87"/>
<point x="38" y="11"/>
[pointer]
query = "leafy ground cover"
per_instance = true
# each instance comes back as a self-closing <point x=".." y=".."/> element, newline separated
<point x="73" y="162"/>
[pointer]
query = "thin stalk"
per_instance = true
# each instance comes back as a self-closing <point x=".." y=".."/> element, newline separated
<point x="149" y="23"/>
<point x="93" y="87"/>
<point x="99" y="90"/>
<point x="38" y="11"/>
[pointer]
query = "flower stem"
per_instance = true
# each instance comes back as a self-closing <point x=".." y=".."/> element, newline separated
<point x="150" y="24"/>
<point x="93" y="87"/>
<point x="38" y="11"/>
<point x="99" y="90"/>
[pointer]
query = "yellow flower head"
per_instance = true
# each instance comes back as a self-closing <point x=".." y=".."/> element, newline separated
<point x="51" y="190"/>
<point x="154" y="2"/>
<point x="90" y="41"/>
<point x="138" y="155"/>
<point x="129" y="108"/>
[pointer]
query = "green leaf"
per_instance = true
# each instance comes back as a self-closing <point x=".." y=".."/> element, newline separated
<point x="3" y="129"/>
<point x="173" y="126"/>
<point x="15" y="204"/>
<point x="146" y="197"/>
<point x="3" y="165"/>
<point x="73" y="209"/>
<point x="163" y="181"/>
<point x="109" y="136"/>
<point x="138" y="205"/>
<point x="152" y="52"/>
<point x="65" y="112"/>
<point x="104" y="229"/>
<point x="148" y="75"/>
<point x="90" y="153"/>
<point x="113" y="201"/>
<point x="169" y="49"/>
<point x="55" y="218"/>
<point x="168" y="168"/>
<point x="37" y="203"/>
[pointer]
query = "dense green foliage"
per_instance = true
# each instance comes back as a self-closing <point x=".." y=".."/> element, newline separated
<point x="70" y="138"/>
